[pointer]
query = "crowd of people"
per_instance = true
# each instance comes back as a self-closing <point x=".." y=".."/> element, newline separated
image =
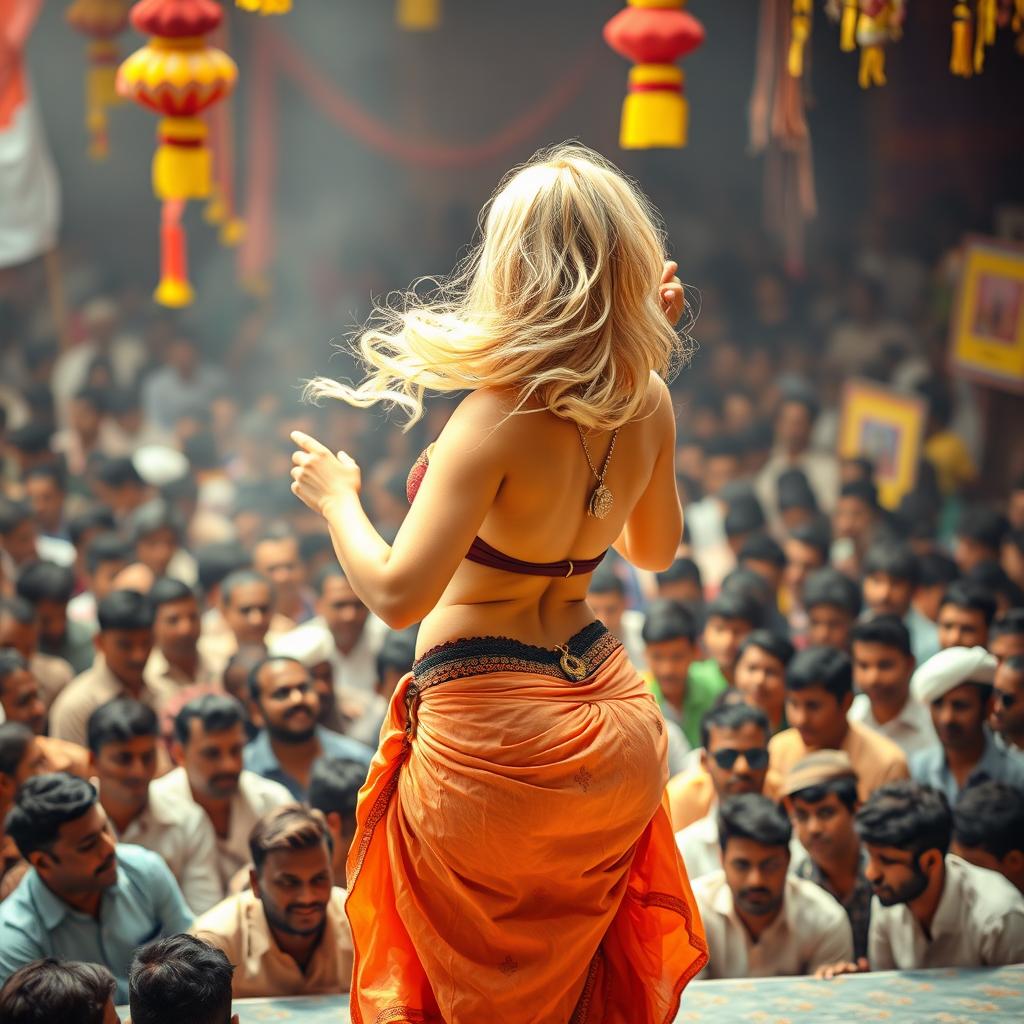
<point x="191" y="691"/>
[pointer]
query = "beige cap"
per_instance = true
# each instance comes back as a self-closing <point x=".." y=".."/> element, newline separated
<point x="815" y="769"/>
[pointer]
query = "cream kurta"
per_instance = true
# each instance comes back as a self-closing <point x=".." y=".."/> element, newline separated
<point x="911" y="730"/>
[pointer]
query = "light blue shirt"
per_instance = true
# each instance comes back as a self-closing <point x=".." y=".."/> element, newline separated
<point x="929" y="767"/>
<point x="259" y="757"/>
<point x="924" y="635"/>
<point x="144" y="904"/>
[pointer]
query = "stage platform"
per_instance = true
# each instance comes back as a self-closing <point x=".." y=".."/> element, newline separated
<point x="989" y="996"/>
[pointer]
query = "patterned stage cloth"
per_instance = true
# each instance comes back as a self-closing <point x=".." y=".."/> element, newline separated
<point x="988" y="996"/>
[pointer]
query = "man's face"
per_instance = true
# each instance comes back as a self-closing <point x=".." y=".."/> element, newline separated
<point x="84" y="418"/>
<point x="962" y="627"/>
<point x="608" y="607"/>
<point x="155" y="550"/>
<point x="1015" y="509"/>
<point x="126" y="652"/>
<point x="47" y="501"/>
<point x="825" y="829"/>
<point x="19" y="695"/>
<point x="852" y="519"/>
<point x="279" y="561"/>
<point x="760" y="677"/>
<point x="288" y="704"/>
<point x="736" y="760"/>
<point x="687" y="592"/>
<point x="322" y="675"/>
<point x="212" y="760"/>
<point x="52" y="617"/>
<point x="22" y="636"/>
<point x="883" y="673"/>
<point x="33" y="762"/>
<point x="294" y="887"/>
<point x="968" y="553"/>
<point x="756" y="874"/>
<point x="1007" y="701"/>
<point x="20" y="543"/>
<point x="1008" y="645"/>
<point x="722" y="639"/>
<point x="801" y="561"/>
<point x="959" y="716"/>
<point x="793" y="427"/>
<point x="669" y="662"/>
<point x="829" y="626"/>
<point x="176" y="628"/>
<point x="125" y="769"/>
<point x="720" y="470"/>
<point x="248" y="612"/>
<point x="818" y="717"/>
<point x="346" y="615"/>
<point x="886" y="594"/>
<point x="81" y="860"/>
<point x="104" y="576"/>
<point x="1011" y="867"/>
<point x="896" y="875"/>
<point x="928" y="600"/>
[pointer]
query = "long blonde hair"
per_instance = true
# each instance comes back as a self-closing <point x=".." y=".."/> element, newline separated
<point x="559" y="299"/>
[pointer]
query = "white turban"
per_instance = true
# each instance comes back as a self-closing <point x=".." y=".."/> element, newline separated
<point x="308" y="646"/>
<point x="951" y="668"/>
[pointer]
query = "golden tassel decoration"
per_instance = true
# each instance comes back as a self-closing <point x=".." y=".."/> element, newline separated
<point x="960" y="63"/>
<point x="800" y="31"/>
<point x="419" y="15"/>
<point x="848" y="26"/>
<point x="265" y="6"/>
<point x="985" y="32"/>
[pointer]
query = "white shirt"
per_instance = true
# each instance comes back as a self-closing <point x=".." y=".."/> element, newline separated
<point x="355" y="672"/>
<point x="254" y="798"/>
<point x="698" y="843"/>
<point x="182" y="834"/>
<point x="631" y="628"/>
<point x="911" y="730"/>
<point x="979" y="922"/>
<point x="811" y="930"/>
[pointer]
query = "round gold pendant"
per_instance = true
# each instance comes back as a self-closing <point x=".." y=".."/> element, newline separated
<point x="575" y="668"/>
<point x="601" y="502"/>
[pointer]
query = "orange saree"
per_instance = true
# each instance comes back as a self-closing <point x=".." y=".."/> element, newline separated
<point x="514" y="862"/>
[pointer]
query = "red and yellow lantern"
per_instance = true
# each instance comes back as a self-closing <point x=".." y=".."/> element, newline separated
<point x="102" y="21"/>
<point x="265" y="6"/>
<point x="178" y="75"/>
<point x="654" y="34"/>
<point x="418" y="15"/>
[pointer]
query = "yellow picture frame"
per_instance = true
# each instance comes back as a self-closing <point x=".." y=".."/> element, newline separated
<point x="887" y="427"/>
<point x="987" y="326"/>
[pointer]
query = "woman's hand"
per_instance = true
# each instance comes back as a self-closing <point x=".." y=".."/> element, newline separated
<point x="830" y="971"/>
<point x="670" y="290"/>
<point x="318" y="475"/>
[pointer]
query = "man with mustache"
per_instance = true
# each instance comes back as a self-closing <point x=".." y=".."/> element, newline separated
<point x="931" y="908"/>
<point x="285" y="706"/>
<point x="84" y="898"/>
<point x="760" y="920"/>
<point x="956" y="684"/>
<point x="289" y="936"/>
<point x="209" y="737"/>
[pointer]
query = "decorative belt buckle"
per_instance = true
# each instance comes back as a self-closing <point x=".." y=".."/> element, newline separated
<point x="574" y="668"/>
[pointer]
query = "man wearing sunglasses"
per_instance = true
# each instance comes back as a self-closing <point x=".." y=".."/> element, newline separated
<point x="1008" y="704"/>
<point x="735" y="758"/>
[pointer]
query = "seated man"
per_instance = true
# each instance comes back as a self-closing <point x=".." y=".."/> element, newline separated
<point x="333" y="791"/>
<point x="285" y="707"/>
<point x="209" y="737"/>
<point x="21" y="757"/>
<point x="289" y="936"/>
<point x="883" y="665"/>
<point x="735" y="757"/>
<point x="52" y="990"/>
<point x="123" y="740"/>
<point x="820" y="796"/>
<point x="832" y="602"/>
<point x="728" y="620"/>
<point x="761" y="674"/>
<point x="179" y="979"/>
<point x="819" y="692"/>
<point x="1006" y="637"/>
<point x="19" y="629"/>
<point x="965" y="614"/>
<point x="957" y="686"/>
<point x="48" y="588"/>
<point x="760" y="920"/>
<point x="175" y="662"/>
<point x="244" y="615"/>
<point x="932" y="909"/>
<point x="1007" y="716"/>
<point x="85" y="897"/>
<point x="988" y="829"/>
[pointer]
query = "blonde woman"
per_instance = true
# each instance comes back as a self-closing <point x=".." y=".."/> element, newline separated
<point x="513" y="861"/>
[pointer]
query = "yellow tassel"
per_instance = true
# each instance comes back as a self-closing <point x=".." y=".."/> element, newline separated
<point x="419" y="15"/>
<point x="215" y="211"/>
<point x="799" y="34"/>
<point x="848" y="26"/>
<point x="182" y="166"/>
<point x="960" y="63"/>
<point x="872" y="66"/>
<point x="100" y="94"/>
<point x="265" y="6"/>
<point x="232" y="232"/>
<point x="1017" y="24"/>
<point x="655" y="118"/>
<point x="173" y="293"/>
<point x="985" y="34"/>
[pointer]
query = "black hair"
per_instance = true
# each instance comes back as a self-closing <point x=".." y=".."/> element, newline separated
<point x="863" y="490"/>
<point x="180" y="978"/>
<point x="201" y="451"/>
<point x="759" y="547"/>
<point x="668" y="620"/>
<point x="971" y="597"/>
<point x="736" y="604"/>
<point x="1010" y="624"/>
<point x="831" y="587"/>
<point x="331" y="571"/>
<point x="167" y="590"/>
<point x="906" y="816"/>
<point x="270" y="659"/>
<point x="887" y="630"/>
<point x="753" y="816"/>
<point x="100" y="517"/>
<point x="796" y="391"/>
<point x="119" y="472"/>
<point x="49" y="990"/>
<point x="33" y="438"/>
<point x="733" y="716"/>
<point x="894" y="559"/>
<point x="313" y="544"/>
<point x="154" y="515"/>
<point x="770" y="642"/>
<point x="14" y="740"/>
<point x="334" y="786"/>
<point x="743" y="515"/>
<point x="242" y="578"/>
<point x="19" y="609"/>
<point x="217" y="712"/>
<point x="13" y="514"/>
<point x="793" y="490"/>
<point x="682" y="570"/>
<point x="42" y="805"/>
<point x="994" y="577"/>
<point x="606" y="581"/>
<point x="53" y="473"/>
<point x="125" y="609"/>
<point x="275" y="532"/>
<point x="46" y="581"/>
<point x="816" y="534"/>
<point x="398" y="650"/>
<point x="118" y="721"/>
<point x="1015" y="537"/>
<point x="936" y="569"/>
<point x="10" y="662"/>
<point x="821" y="666"/>
<point x="844" y="787"/>
<point x="217" y="561"/>
<point x="96" y="397"/>
<point x="990" y="816"/>
<point x="106" y="547"/>
<point x="984" y="526"/>
<point x="722" y="445"/>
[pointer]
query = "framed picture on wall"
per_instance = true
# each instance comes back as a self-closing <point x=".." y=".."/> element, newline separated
<point x="887" y="427"/>
<point x="987" y="326"/>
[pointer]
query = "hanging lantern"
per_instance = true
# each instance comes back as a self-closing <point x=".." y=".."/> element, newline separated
<point x="177" y="75"/>
<point x="265" y="6"/>
<point x="799" y="33"/>
<point x="880" y="22"/>
<point x="102" y="21"/>
<point x="654" y="34"/>
<point x="418" y="15"/>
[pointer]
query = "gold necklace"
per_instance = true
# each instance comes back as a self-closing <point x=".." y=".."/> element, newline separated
<point x="602" y="499"/>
